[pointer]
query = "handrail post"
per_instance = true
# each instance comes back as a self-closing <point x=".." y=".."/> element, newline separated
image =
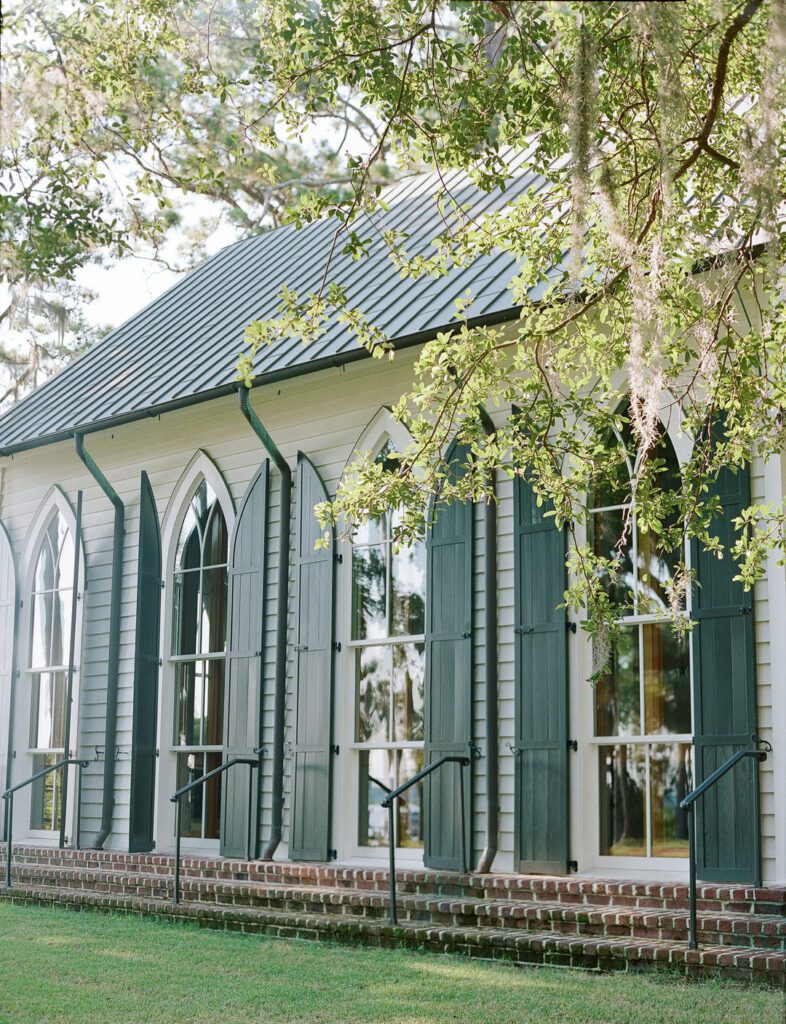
<point x="464" y="858"/>
<point x="392" y="853"/>
<point x="693" y="942"/>
<point x="176" y="894"/>
<point x="9" y="838"/>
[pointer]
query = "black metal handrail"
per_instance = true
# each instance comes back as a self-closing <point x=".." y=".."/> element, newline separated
<point x="180" y="793"/>
<point x="8" y="796"/>
<point x="689" y="804"/>
<point x="389" y="803"/>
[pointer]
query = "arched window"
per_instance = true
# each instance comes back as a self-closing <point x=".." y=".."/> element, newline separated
<point x="388" y="638"/>
<point x="643" y="702"/>
<point x="199" y="626"/>
<point x="51" y="610"/>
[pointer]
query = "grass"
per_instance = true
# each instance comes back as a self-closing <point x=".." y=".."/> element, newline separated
<point x="60" y="966"/>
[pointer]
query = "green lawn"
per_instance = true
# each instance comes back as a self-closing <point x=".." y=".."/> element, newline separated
<point x="95" y="969"/>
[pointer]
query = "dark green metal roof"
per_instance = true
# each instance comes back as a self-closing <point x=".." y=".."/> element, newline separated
<point x="183" y="347"/>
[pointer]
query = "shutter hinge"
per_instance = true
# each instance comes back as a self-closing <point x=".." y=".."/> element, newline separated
<point x="160" y="662"/>
<point x="162" y="584"/>
<point x="466" y="635"/>
<point x="339" y="558"/>
<point x="337" y="646"/>
<point x="334" y="748"/>
<point x="332" y="854"/>
<point x="521" y="630"/>
<point x="301" y="647"/>
<point x="571" y="626"/>
<point x="573" y="865"/>
<point x="573" y="745"/>
<point x="516" y="751"/>
<point x="746" y="610"/>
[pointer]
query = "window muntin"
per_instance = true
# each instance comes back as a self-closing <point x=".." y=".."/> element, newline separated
<point x="51" y="602"/>
<point x="644" y="698"/>
<point x="388" y="637"/>
<point x="199" y="628"/>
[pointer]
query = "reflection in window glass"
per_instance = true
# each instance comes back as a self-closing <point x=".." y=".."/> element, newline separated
<point x="200" y="812"/>
<point x="374" y="678"/>
<point x="670" y="783"/>
<point x="46" y="795"/>
<point x="380" y="772"/>
<point x="623" y="797"/>
<point x="666" y="680"/>
<point x="617" y="699"/>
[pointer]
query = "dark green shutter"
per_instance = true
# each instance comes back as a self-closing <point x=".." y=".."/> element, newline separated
<point x="7" y="633"/>
<point x="541" y="789"/>
<point x="146" y="666"/>
<point x="311" y="773"/>
<point x="244" y="667"/>
<point x="448" y="675"/>
<point x="724" y="699"/>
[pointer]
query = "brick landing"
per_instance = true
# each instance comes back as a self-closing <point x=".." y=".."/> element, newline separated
<point x="528" y="919"/>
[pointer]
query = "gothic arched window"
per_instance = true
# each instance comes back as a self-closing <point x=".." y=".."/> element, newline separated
<point x="199" y="627"/>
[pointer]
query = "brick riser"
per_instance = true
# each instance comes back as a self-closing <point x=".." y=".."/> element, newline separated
<point x="574" y="890"/>
<point x="742" y="930"/>
<point x="521" y="947"/>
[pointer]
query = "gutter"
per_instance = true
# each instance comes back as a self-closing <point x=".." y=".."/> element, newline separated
<point x="280" y="694"/>
<point x="492" y="670"/>
<point x="113" y="659"/>
<point x="223" y="390"/>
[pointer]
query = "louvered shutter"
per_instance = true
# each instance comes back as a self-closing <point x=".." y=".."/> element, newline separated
<point x="448" y="675"/>
<point x="541" y="672"/>
<point x="146" y="669"/>
<point x="313" y="715"/>
<point x="244" y="668"/>
<point x="725" y="714"/>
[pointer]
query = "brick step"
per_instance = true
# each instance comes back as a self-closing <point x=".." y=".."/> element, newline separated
<point x="578" y="890"/>
<point x="759" y="931"/>
<point x="523" y="947"/>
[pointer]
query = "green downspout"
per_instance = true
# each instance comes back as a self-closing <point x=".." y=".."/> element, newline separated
<point x="280" y="697"/>
<point x="113" y="658"/>
<point x="492" y="684"/>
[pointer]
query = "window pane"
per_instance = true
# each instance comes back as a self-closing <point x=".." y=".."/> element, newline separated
<point x="380" y="772"/>
<point x="48" y="711"/>
<point x="607" y="529"/>
<point x="190" y="688"/>
<point x="409" y="667"/>
<point x="617" y="695"/>
<point x="373" y="665"/>
<point x="372" y="531"/>
<point x="46" y="804"/>
<point x="214" y="703"/>
<point x="369" y="615"/>
<point x="408" y="590"/>
<point x="666" y="680"/>
<point x="185" y="619"/>
<point x="214" y="611"/>
<point x="622" y="801"/>
<point x="189" y="544"/>
<point x="65" y="562"/>
<point x="216" y="542"/>
<point x="45" y="566"/>
<point x="656" y="568"/>
<point x="200" y="813"/>
<point x="670" y="782"/>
